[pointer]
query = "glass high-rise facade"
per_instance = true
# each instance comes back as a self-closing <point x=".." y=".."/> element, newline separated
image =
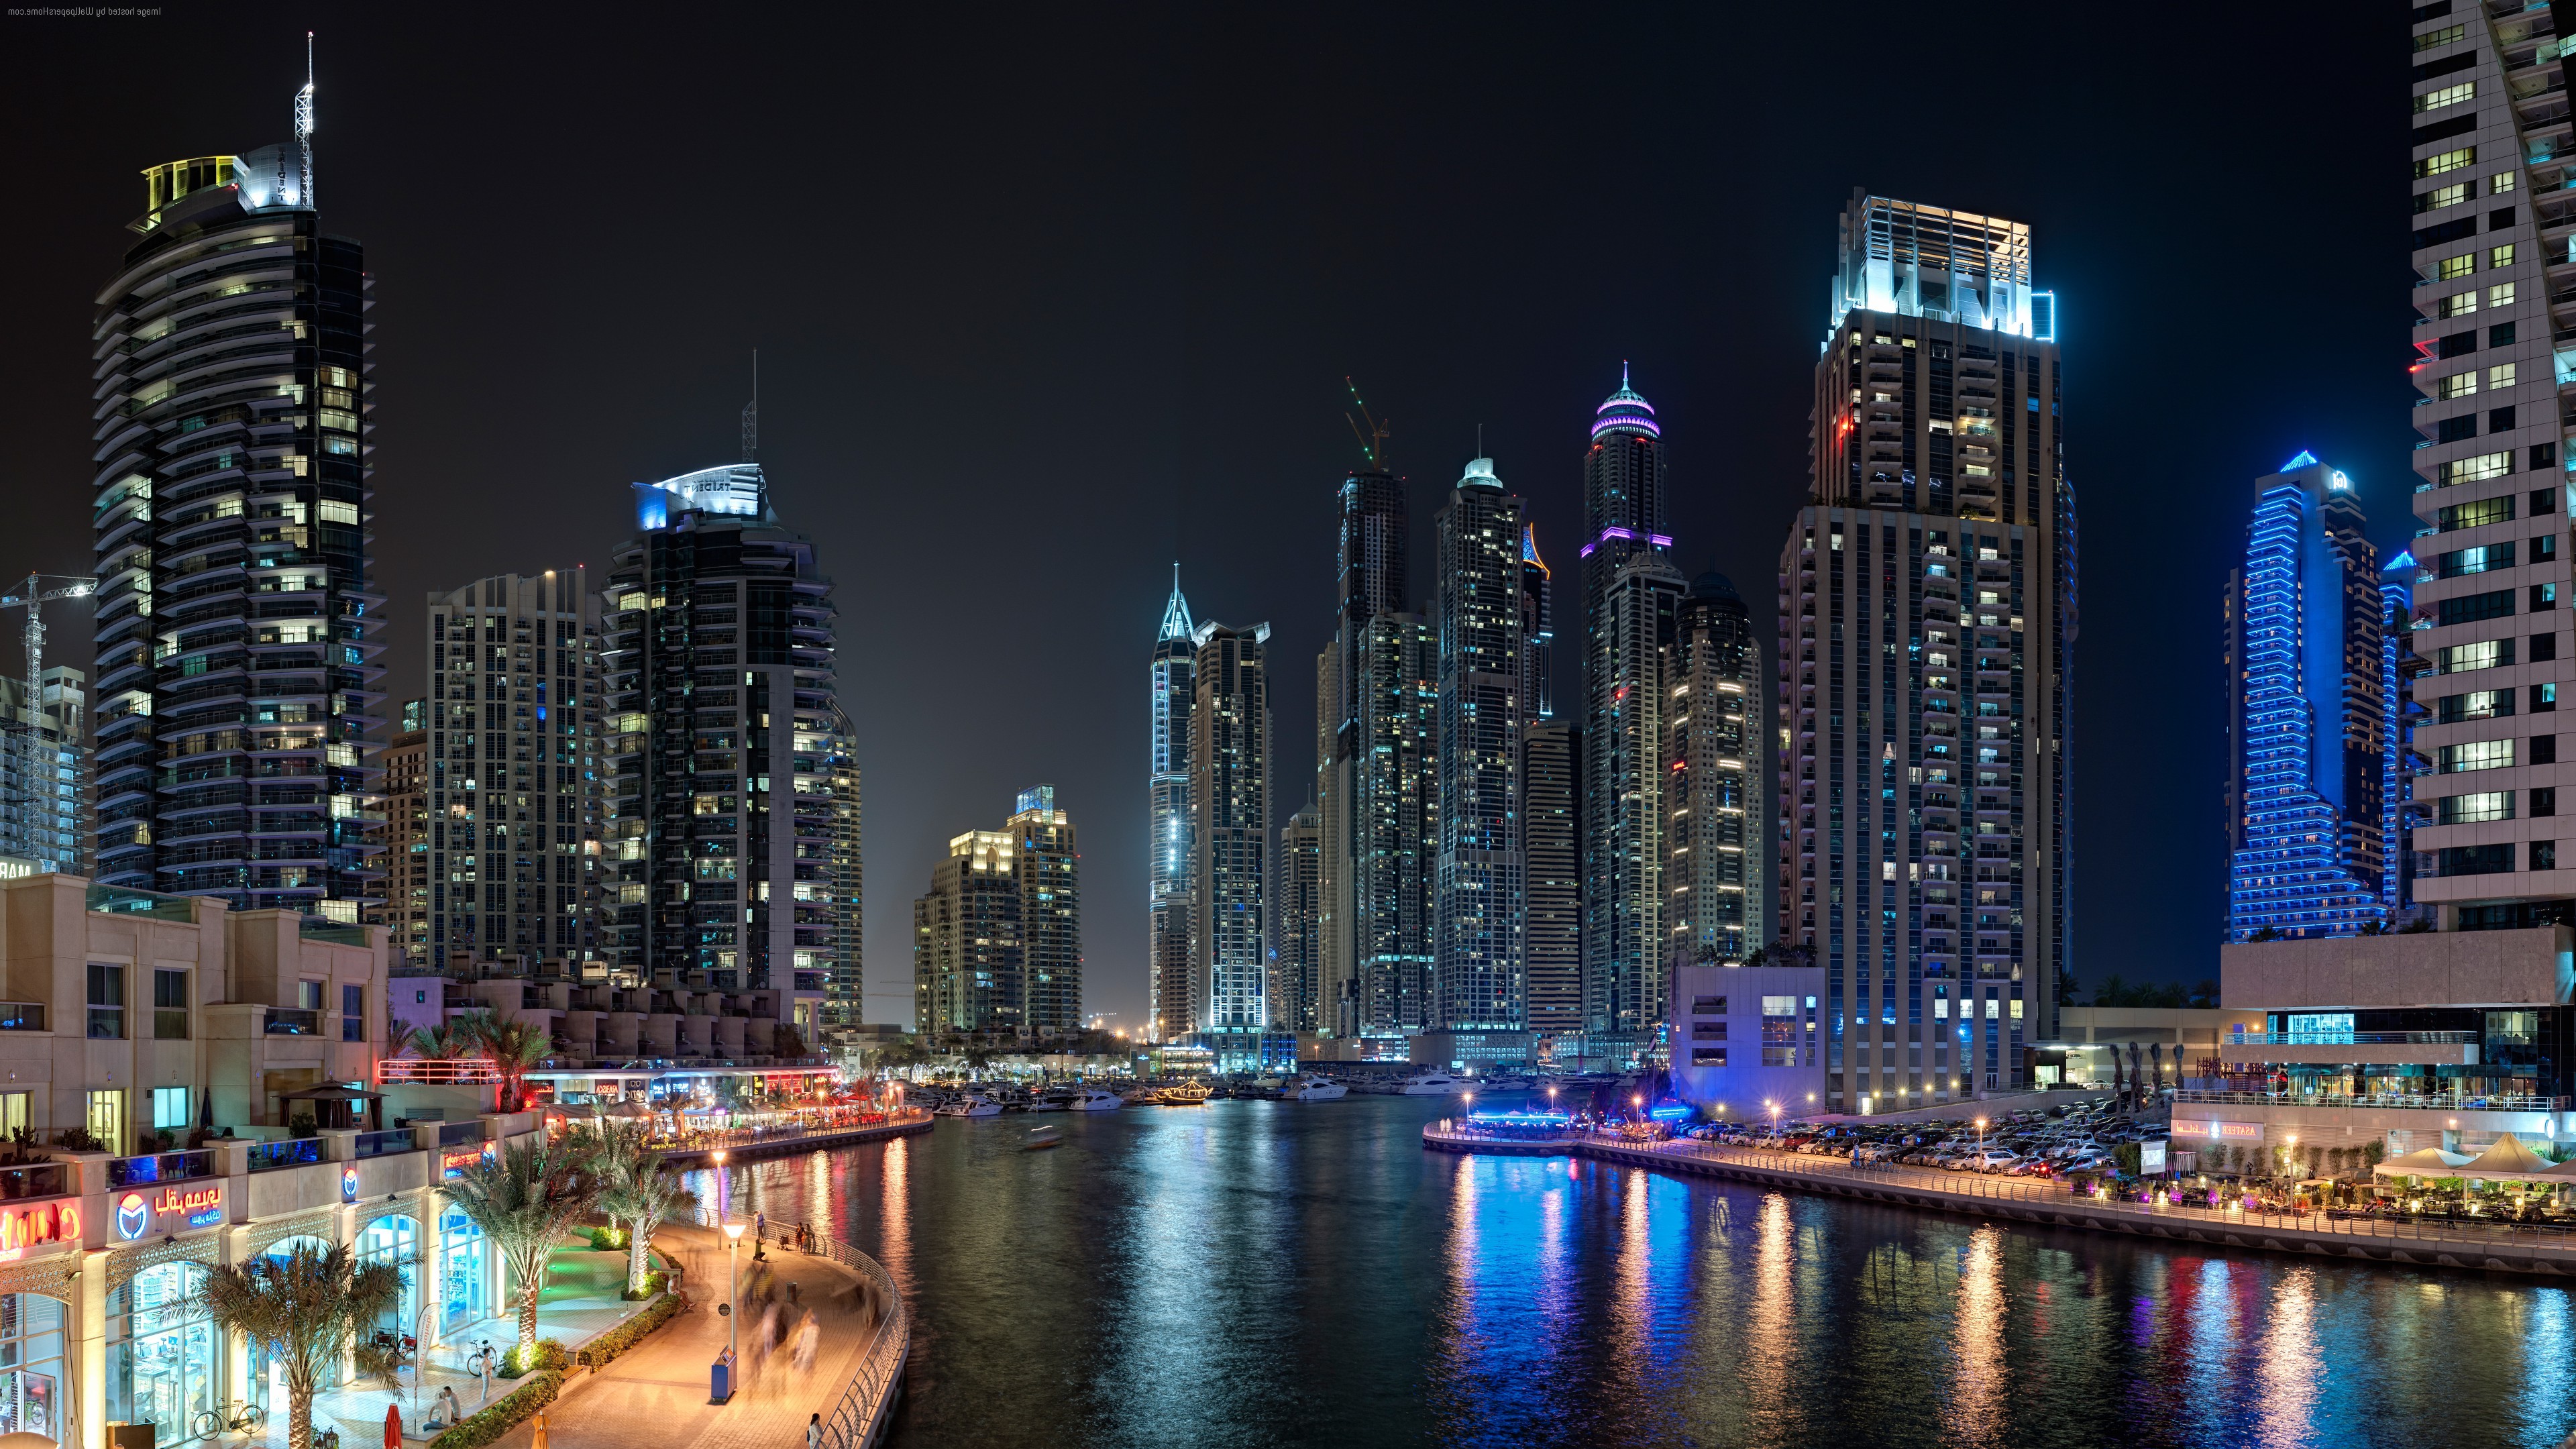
<point x="1631" y="593"/>
<point x="1170" y="855"/>
<point x="1477" y="882"/>
<point x="238" y="690"/>
<point x="2310" y="708"/>
<point x="1230" y="828"/>
<point x="1713" y="839"/>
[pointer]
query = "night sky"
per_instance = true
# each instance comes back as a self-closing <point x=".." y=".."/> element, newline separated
<point x="1046" y="300"/>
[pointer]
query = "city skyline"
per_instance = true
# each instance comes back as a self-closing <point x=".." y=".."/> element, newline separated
<point x="1247" y="532"/>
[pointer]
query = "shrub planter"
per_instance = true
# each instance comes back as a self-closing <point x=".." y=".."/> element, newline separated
<point x="494" y="1420"/>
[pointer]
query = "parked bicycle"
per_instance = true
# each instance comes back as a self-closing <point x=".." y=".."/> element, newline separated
<point x="238" y="1418"/>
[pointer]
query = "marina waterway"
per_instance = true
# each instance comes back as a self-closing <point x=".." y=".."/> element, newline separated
<point x="1276" y="1273"/>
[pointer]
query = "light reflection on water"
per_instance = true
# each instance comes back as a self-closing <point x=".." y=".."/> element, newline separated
<point x="1253" y="1273"/>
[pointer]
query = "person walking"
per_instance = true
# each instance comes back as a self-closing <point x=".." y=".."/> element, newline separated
<point x="814" y="1432"/>
<point x="759" y="1236"/>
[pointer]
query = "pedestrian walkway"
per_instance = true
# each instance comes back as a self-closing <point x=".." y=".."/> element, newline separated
<point x="656" y="1394"/>
<point x="582" y="1299"/>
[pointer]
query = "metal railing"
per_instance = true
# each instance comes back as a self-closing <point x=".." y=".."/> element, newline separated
<point x="159" y="1167"/>
<point x="859" y="1412"/>
<point x="2351" y="1038"/>
<point x="290" y="1021"/>
<point x="1973" y="1186"/>
<point x="2406" y="1101"/>
<point x="378" y="1144"/>
<point x="286" y="1152"/>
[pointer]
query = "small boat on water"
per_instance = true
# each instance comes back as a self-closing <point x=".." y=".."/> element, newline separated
<point x="1187" y="1094"/>
<point x="1095" y="1099"/>
<point x="1049" y="1136"/>
<point x="1051" y="1102"/>
<point x="1311" y="1088"/>
<point x="969" y="1106"/>
<point x="1436" y="1084"/>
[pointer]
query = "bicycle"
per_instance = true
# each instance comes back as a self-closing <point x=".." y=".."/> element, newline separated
<point x="482" y="1362"/>
<point x="240" y="1418"/>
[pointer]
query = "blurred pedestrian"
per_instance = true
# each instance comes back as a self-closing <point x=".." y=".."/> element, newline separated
<point x="809" y="1337"/>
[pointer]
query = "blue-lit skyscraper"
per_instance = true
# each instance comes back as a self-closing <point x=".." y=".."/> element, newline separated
<point x="2312" y="712"/>
<point x="1168" y="783"/>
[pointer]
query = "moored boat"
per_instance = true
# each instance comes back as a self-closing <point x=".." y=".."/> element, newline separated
<point x="1311" y="1088"/>
<point x="1095" y="1099"/>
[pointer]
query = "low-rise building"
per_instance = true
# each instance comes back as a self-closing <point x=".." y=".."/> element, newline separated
<point x="1744" y="1039"/>
<point x="159" y="1051"/>
<point x="2436" y="1039"/>
<point x="2174" y="1043"/>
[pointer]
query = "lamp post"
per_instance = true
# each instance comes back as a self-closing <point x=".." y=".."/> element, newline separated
<point x="733" y="1305"/>
<point x="1981" y="1134"/>
<point x="718" y="1158"/>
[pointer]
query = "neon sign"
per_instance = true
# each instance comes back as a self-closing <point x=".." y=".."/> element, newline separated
<point x="133" y="1215"/>
<point x="23" y="1228"/>
<point x="453" y="1163"/>
<point x="348" y="1184"/>
<point x="203" y="1207"/>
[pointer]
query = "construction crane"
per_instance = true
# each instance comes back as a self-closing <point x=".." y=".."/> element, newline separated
<point x="32" y="595"/>
<point x="1372" y="441"/>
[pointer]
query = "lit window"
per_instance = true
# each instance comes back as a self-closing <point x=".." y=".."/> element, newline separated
<point x="2499" y="376"/>
<point x="2500" y="295"/>
<point x="2462" y="658"/>
<point x="2458" y="384"/>
<point x="2446" y="96"/>
<point x="2474" y="755"/>
<point x="2459" y="266"/>
<point x="2441" y="197"/>
<point x="2500" y="256"/>
<point x="2447" y="161"/>
<point x="2472" y="469"/>
<point x="2470" y="809"/>
<point x="2500" y="183"/>
<point x="2435" y="39"/>
<point x="2456" y="305"/>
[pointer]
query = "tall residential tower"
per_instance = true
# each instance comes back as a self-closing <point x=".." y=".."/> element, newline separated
<point x="1170" y="854"/>
<point x="1927" y="611"/>
<point x="238" y="689"/>
<point x="2309" y="713"/>
<point x="1631" y="593"/>
<point x="1714" y="841"/>
<point x="2492" y="156"/>
<point x="1231" y="830"/>
<point x="1477" y="880"/>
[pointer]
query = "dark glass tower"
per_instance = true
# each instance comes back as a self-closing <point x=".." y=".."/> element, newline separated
<point x="1630" y="593"/>
<point x="730" y="818"/>
<point x="1714" y="841"/>
<point x="238" y="688"/>
<point x="1167" y="774"/>
<point x="1478" y="984"/>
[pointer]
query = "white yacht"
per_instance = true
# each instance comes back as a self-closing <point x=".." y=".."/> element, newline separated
<point x="1094" y="1099"/>
<point x="968" y="1106"/>
<point x="1436" y="1084"/>
<point x="1311" y="1088"/>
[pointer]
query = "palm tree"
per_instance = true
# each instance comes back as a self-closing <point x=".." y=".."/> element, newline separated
<point x="303" y="1308"/>
<point x="512" y="1044"/>
<point x="638" y="1192"/>
<point x="525" y="1204"/>
<point x="441" y="1042"/>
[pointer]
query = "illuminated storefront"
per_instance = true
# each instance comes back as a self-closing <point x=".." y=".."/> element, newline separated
<point x="162" y="1349"/>
<point x="463" y="1272"/>
<point x="31" y="1344"/>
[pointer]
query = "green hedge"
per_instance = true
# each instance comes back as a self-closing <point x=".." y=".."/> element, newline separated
<point x="479" y="1429"/>
<point x="599" y="1351"/>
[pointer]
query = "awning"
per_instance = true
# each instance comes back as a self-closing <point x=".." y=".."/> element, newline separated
<point x="2507" y="1158"/>
<point x="331" y="1093"/>
<point x="2423" y="1162"/>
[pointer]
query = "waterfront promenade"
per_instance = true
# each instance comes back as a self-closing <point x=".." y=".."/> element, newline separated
<point x="746" y="1143"/>
<point x="2543" y="1251"/>
<point x="656" y="1393"/>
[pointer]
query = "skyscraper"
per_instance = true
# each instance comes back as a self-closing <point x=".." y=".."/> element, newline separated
<point x="1376" y="697"/>
<point x="1538" y="632"/>
<point x="406" y="913"/>
<point x="2309" y="711"/>
<point x="1477" y="965"/>
<point x="1927" y="610"/>
<point x="1171" y="857"/>
<point x="1296" y="958"/>
<point x="1714" y="841"/>
<point x="2491" y="155"/>
<point x="719" y="676"/>
<point x="236" y="649"/>
<point x="44" y="774"/>
<point x="1552" y="847"/>
<point x="968" y="964"/>
<point x="517" y="810"/>
<point x="1048" y="868"/>
<point x="1230" y="828"/>
<point x="1630" y="594"/>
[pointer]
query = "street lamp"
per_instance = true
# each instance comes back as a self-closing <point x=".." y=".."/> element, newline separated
<point x="1981" y="1134"/>
<point x="733" y="1305"/>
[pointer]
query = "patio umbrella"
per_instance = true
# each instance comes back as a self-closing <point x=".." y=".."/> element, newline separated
<point x="624" y="1109"/>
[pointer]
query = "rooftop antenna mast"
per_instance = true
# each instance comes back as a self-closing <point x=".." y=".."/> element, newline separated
<point x="304" y="121"/>
<point x="751" y="414"/>
<point x="1372" y="441"/>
